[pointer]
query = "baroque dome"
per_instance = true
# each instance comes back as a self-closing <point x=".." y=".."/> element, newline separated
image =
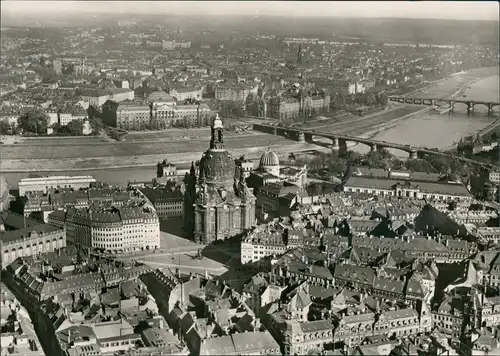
<point x="106" y="83"/>
<point x="269" y="159"/>
<point x="217" y="167"/>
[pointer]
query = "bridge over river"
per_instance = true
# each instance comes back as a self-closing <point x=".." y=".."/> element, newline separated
<point x="450" y="102"/>
<point x="339" y="142"/>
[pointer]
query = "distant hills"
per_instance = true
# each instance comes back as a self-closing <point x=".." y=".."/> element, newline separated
<point x="327" y="28"/>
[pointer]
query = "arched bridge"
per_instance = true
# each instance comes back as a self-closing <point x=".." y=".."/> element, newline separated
<point x="450" y="102"/>
<point x="339" y="142"/>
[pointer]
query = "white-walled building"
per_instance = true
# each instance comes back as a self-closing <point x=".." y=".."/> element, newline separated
<point x="114" y="230"/>
<point x="404" y="185"/>
<point x="43" y="184"/>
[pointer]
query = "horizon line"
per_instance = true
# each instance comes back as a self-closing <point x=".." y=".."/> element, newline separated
<point x="32" y="11"/>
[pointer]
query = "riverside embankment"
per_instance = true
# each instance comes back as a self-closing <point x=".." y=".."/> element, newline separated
<point x="119" y="162"/>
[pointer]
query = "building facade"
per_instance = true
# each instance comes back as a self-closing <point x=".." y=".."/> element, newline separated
<point x="114" y="230"/>
<point x="234" y="92"/>
<point x="133" y="117"/>
<point x="31" y="241"/>
<point x="217" y="205"/>
<point x="43" y="184"/>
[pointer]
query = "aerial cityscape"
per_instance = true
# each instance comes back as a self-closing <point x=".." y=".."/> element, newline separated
<point x="249" y="178"/>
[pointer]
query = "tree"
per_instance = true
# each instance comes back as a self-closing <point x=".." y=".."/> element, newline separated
<point x="337" y="166"/>
<point x="96" y="124"/>
<point x="75" y="127"/>
<point x="351" y="157"/>
<point x="370" y="98"/>
<point x="382" y="99"/>
<point x="420" y="165"/>
<point x="33" y="121"/>
<point x="5" y="127"/>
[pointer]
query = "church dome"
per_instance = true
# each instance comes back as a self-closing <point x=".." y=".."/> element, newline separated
<point x="217" y="167"/>
<point x="269" y="159"/>
<point x="106" y="83"/>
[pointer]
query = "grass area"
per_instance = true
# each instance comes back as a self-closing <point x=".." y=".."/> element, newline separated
<point x="167" y="134"/>
<point x="123" y="149"/>
<point x="356" y="126"/>
<point x="56" y="141"/>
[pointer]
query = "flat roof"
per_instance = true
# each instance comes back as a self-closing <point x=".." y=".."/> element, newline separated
<point x="424" y="187"/>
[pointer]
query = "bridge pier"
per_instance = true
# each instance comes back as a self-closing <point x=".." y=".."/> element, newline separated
<point x="301" y="137"/>
<point x="373" y="148"/>
<point x="413" y="154"/>
<point x="335" y="144"/>
<point x="275" y="131"/>
<point x="308" y="138"/>
<point x="470" y="107"/>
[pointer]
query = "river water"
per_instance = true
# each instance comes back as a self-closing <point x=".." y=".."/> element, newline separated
<point x="441" y="131"/>
<point x="429" y="130"/>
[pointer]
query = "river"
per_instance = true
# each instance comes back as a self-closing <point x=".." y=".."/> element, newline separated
<point x="441" y="131"/>
<point x="429" y="130"/>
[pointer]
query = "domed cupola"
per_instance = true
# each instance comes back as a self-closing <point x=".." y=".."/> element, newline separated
<point x="217" y="166"/>
<point x="270" y="163"/>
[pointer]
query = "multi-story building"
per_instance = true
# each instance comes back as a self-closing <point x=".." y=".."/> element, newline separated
<point x="162" y="114"/>
<point x="265" y="242"/>
<point x="283" y="108"/>
<point x="399" y="184"/>
<point x="114" y="230"/>
<point x="57" y="66"/>
<point x="184" y="93"/>
<point x="494" y="176"/>
<point x="23" y="237"/>
<point x="194" y="115"/>
<point x="168" y="202"/>
<point x="53" y="115"/>
<point x="43" y="184"/>
<point x="235" y="92"/>
<point x="292" y="106"/>
<point x="133" y="117"/>
<point x="98" y="98"/>
<point x="354" y="328"/>
<point x="217" y="207"/>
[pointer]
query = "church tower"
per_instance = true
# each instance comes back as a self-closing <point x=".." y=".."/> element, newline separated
<point x="223" y="207"/>
<point x="189" y="200"/>
<point x="299" y="55"/>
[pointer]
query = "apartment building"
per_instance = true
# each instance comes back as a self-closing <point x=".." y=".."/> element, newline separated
<point x="114" y="230"/>
<point x="43" y="184"/>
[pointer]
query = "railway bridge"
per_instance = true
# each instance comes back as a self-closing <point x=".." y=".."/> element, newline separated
<point x="339" y="142"/>
<point x="471" y="104"/>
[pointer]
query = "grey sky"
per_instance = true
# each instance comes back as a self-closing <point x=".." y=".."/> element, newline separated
<point x="473" y="10"/>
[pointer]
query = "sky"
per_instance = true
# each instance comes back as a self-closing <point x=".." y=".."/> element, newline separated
<point x="458" y="10"/>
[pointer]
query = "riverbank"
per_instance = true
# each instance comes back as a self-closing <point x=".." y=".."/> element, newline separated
<point x="120" y="155"/>
<point x="103" y="163"/>
<point x="385" y="126"/>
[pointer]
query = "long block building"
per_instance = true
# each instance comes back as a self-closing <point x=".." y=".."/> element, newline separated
<point x="23" y="237"/>
<point x="114" y="230"/>
<point x="44" y="184"/>
<point x="404" y="185"/>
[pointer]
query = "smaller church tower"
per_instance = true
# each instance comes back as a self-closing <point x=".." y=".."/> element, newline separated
<point x="299" y="55"/>
<point x="217" y="141"/>
<point x="189" y="200"/>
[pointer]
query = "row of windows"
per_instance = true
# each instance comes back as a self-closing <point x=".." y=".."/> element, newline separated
<point x="398" y="193"/>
